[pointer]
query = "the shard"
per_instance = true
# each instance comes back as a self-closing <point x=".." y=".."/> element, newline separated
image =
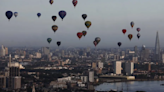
<point x="157" y="48"/>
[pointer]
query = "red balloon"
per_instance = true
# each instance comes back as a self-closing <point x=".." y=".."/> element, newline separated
<point x="74" y="2"/>
<point x="124" y="31"/>
<point x="79" y="34"/>
<point x="95" y="43"/>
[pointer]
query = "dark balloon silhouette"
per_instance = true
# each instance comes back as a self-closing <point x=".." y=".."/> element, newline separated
<point x="49" y="40"/>
<point x="119" y="44"/>
<point x="84" y="16"/>
<point x="138" y="35"/>
<point x="38" y="14"/>
<point x="54" y="18"/>
<point x="62" y="14"/>
<point x="97" y="39"/>
<point x="84" y="33"/>
<point x="15" y="14"/>
<point x="132" y="24"/>
<point x="54" y="28"/>
<point x="9" y="14"/>
<point x="88" y="24"/>
<point x="58" y="43"/>
<point x="51" y="2"/>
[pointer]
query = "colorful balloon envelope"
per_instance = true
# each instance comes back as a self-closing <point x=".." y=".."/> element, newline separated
<point x="51" y="2"/>
<point x="54" y="18"/>
<point x="132" y="24"/>
<point x="49" y="40"/>
<point x="88" y="24"/>
<point x="97" y="39"/>
<point x="123" y="31"/>
<point x="119" y="44"/>
<point x="74" y="2"/>
<point x="38" y="14"/>
<point x="130" y="36"/>
<point x="58" y="43"/>
<point x="84" y="16"/>
<point x="138" y="29"/>
<point x="95" y="43"/>
<point x="138" y="35"/>
<point x="84" y="33"/>
<point x="9" y="14"/>
<point x="15" y="14"/>
<point x="54" y="28"/>
<point x="79" y="35"/>
<point x="62" y="14"/>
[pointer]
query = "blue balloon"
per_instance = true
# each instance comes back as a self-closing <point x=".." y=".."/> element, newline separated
<point x="39" y="14"/>
<point x="49" y="40"/>
<point x="9" y="14"/>
<point x="62" y="14"/>
<point x="15" y="14"/>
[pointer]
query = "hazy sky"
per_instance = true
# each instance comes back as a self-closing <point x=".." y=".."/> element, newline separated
<point x="108" y="18"/>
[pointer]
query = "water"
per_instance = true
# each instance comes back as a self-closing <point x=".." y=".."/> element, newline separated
<point x="148" y="86"/>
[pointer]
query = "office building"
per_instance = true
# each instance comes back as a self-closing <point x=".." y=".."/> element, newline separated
<point x="129" y="68"/>
<point x="2" y="51"/>
<point x="144" y="53"/>
<point x="45" y="51"/>
<point x="6" y="51"/>
<point x="94" y="65"/>
<point x="135" y="59"/>
<point x="136" y="51"/>
<point x="162" y="58"/>
<point x="117" y="67"/>
<point x="100" y="65"/>
<point x="157" y="56"/>
<point x="91" y="76"/>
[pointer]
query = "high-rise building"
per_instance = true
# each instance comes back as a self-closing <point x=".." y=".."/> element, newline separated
<point x="136" y="51"/>
<point x="117" y="67"/>
<point x="135" y="59"/>
<point x="100" y="65"/>
<point x="144" y="53"/>
<point x="149" y="67"/>
<point x="157" y="55"/>
<point x="6" y="51"/>
<point x="2" y="51"/>
<point x="91" y="76"/>
<point x="129" y="67"/>
<point x="162" y="58"/>
<point x="45" y="51"/>
<point x="94" y="65"/>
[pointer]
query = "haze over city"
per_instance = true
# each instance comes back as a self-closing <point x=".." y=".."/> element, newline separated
<point x="108" y="18"/>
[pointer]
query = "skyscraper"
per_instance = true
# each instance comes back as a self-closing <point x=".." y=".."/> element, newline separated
<point x="157" y="49"/>
<point x="129" y="66"/>
<point x="117" y="67"/>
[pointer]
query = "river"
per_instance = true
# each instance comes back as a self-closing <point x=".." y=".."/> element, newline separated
<point x="148" y="86"/>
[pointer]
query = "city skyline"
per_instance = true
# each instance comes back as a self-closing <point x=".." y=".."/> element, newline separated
<point x="108" y="19"/>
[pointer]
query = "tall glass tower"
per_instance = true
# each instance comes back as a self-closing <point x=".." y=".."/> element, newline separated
<point x="157" y="48"/>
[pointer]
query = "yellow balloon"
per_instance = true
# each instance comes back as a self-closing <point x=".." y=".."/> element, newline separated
<point x="88" y="24"/>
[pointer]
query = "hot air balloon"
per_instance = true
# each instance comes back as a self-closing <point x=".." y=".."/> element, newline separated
<point x="38" y="14"/>
<point x="15" y="14"/>
<point x="9" y="14"/>
<point x="49" y="40"/>
<point x="74" y="2"/>
<point x="130" y="36"/>
<point x="119" y="44"/>
<point x="97" y="39"/>
<point x="79" y="34"/>
<point x="54" y="28"/>
<point x="138" y="29"/>
<point x="58" y="43"/>
<point x="62" y="14"/>
<point x="54" y="18"/>
<point x="138" y="35"/>
<point x="132" y="24"/>
<point x="51" y="2"/>
<point x="88" y="24"/>
<point x="95" y="43"/>
<point x="84" y="33"/>
<point x="124" y="31"/>
<point x="84" y="16"/>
